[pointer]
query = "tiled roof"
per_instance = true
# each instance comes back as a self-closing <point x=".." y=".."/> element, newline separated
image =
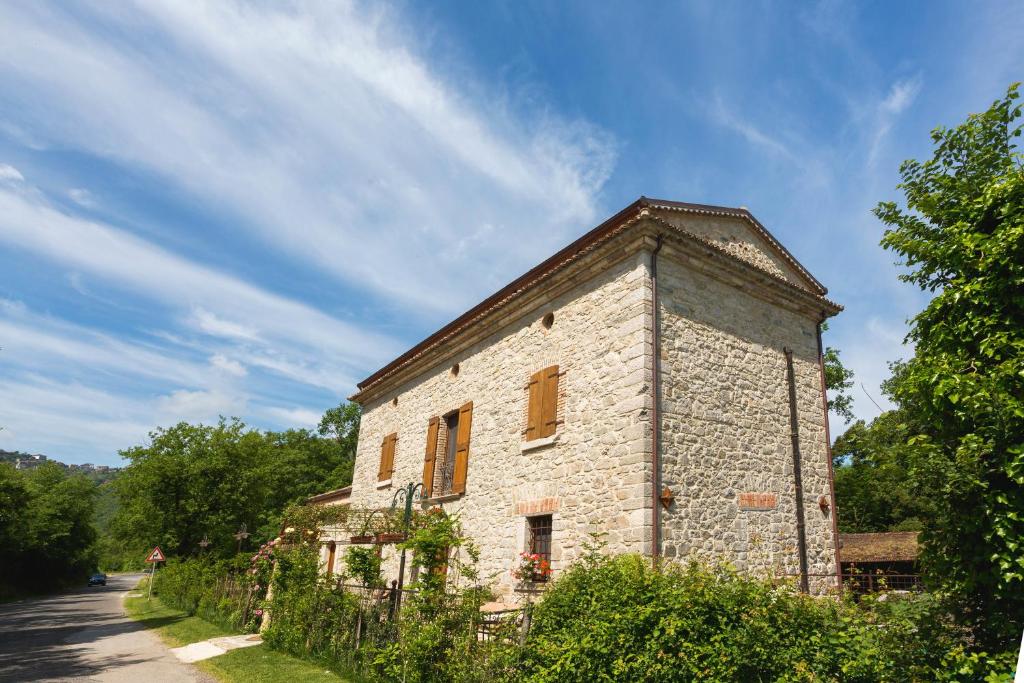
<point x="585" y="244"/>
<point x="893" y="546"/>
<point x="335" y="496"/>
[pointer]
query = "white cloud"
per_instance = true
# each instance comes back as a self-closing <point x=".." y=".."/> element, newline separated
<point x="10" y="174"/>
<point x="218" y="327"/>
<point x="231" y="367"/>
<point x="65" y="419"/>
<point x="294" y="417"/>
<point x="901" y="95"/>
<point x="321" y="128"/>
<point x="199" y="406"/>
<point x="726" y="116"/>
<point x="36" y="343"/>
<point x="82" y="197"/>
<point x="127" y="261"/>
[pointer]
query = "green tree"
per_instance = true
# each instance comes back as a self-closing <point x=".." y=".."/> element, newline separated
<point x="838" y="380"/>
<point x="14" y="499"/>
<point x="193" y="481"/>
<point x="47" y="539"/>
<point x="961" y="237"/>
<point x="872" y="478"/>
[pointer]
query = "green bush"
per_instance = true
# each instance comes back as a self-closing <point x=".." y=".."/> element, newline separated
<point x="620" y="619"/>
<point x="221" y="591"/>
<point x="364" y="565"/>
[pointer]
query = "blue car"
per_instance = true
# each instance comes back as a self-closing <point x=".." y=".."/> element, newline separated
<point x="98" y="579"/>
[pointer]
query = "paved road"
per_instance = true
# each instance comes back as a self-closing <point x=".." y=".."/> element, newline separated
<point x="84" y="635"/>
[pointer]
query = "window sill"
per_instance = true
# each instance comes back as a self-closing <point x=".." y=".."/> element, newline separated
<point x="543" y="442"/>
<point x="384" y="484"/>
<point x="446" y="498"/>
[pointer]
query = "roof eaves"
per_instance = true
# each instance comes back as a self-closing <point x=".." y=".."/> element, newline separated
<point x="572" y="252"/>
<point x="509" y="291"/>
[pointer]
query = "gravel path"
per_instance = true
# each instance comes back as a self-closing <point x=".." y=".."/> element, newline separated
<point x="85" y="635"/>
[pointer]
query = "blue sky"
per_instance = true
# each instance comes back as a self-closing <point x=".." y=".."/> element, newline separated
<point x="243" y="209"/>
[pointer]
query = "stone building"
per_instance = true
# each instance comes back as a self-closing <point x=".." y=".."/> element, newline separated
<point x="659" y="380"/>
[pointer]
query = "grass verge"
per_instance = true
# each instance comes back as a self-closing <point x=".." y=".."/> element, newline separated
<point x="173" y="626"/>
<point x="257" y="664"/>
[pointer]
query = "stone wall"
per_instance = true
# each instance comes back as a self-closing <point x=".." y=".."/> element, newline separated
<point x="726" y="429"/>
<point x="737" y="237"/>
<point x="593" y="475"/>
<point x="726" y="452"/>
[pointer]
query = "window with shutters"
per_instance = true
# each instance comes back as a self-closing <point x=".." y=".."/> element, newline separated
<point x="446" y="462"/>
<point x="542" y="404"/>
<point x="387" y="458"/>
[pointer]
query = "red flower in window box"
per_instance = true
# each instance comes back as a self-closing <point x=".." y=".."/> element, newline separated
<point x="532" y="567"/>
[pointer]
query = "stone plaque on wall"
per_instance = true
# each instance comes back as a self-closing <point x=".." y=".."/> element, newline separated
<point x="758" y="501"/>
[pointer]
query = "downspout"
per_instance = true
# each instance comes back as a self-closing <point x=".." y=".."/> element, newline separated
<point x="655" y="418"/>
<point x="828" y="456"/>
<point x="794" y="433"/>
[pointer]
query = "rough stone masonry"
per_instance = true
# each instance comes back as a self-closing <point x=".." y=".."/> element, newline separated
<point x="730" y="299"/>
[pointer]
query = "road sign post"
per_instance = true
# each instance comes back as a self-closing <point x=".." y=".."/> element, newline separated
<point x="154" y="558"/>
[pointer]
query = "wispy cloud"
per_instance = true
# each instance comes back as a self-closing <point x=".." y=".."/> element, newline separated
<point x="10" y="174"/>
<point x="901" y="96"/>
<point x="727" y="116"/>
<point x="82" y="197"/>
<point x="315" y="127"/>
<point x="209" y="296"/>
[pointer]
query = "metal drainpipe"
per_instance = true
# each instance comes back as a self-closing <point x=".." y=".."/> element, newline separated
<point x="655" y="419"/>
<point x="801" y="532"/>
<point x="828" y="456"/>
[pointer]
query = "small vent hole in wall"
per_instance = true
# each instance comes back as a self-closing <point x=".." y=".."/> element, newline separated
<point x="548" y="320"/>
<point x="455" y="370"/>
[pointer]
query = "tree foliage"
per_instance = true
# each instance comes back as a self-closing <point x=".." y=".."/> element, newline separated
<point x="47" y="540"/>
<point x="961" y="238"/>
<point x="838" y="380"/>
<point x="872" y="478"/>
<point x="196" y="481"/>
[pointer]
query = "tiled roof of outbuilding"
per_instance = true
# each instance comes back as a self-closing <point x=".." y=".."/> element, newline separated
<point x="892" y="546"/>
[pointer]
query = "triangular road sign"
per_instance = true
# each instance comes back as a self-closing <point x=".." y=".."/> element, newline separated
<point x="156" y="556"/>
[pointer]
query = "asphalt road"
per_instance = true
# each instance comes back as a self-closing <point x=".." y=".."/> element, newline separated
<point x="84" y="635"/>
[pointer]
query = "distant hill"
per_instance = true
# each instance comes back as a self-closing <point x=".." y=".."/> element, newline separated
<point x="25" y="461"/>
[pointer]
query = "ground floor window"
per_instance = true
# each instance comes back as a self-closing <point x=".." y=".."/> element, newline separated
<point x="539" y="545"/>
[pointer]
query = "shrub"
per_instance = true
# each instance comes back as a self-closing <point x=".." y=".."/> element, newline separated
<point x="364" y="565"/>
<point x="221" y="591"/>
<point x="620" y="619"/>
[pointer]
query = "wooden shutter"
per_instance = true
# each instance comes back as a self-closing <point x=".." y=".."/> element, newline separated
<point x="430" y="457"/>
<point x="535" y="408"/>
<point x="387" y="457"/>
<point x="462" y="448"/>
<point x="331" y="550"/>
<point x="549" y="409"/>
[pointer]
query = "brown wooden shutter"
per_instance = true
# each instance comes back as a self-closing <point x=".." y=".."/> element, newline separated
<point x="382" y="470"/>
<point x="462" y="448"/>
<point x="391" y="455"/>
<point x="430" y="457"/>
<point x="332" y="549"/>
<point x="549" y="411"/>
<point x="387" y="457"/>
<point x="535" y="409"/>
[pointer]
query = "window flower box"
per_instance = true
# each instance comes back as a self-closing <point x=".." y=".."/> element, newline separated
<point x="390" y="537"/>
